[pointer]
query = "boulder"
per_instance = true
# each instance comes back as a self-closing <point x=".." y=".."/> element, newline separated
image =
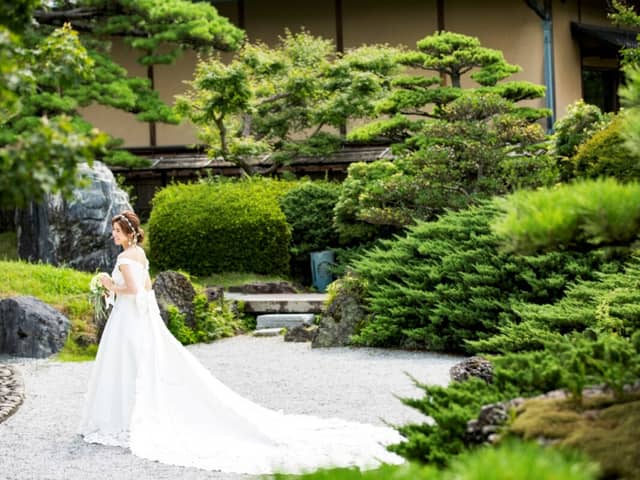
<point x="173" y="288"/>
<point x="301" y="333"/>
<point x="74" y="232"/>
<point x="472" y="367"/>
<point x="486" y="428"/>
<point x="31" y="328"/>
<point x="338" y="322"/>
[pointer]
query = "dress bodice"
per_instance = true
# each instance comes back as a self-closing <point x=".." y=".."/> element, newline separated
<point x="138" y="270"/>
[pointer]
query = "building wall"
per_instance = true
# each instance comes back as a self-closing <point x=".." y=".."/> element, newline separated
<point x="507" y="25"/>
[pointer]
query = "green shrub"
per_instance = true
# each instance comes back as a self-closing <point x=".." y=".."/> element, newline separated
<point x="605" y="155"/>
<point x="385" y="472"/>
<point x="522" y="461"/>
<point x="220" y="226"/>
<point x="581" y="216"/>
<point x="308" y="208"/>
<point x="450" y="408"/>
<point x="212" y="321"/>
<point x="580" y="123"/>
<point x="447" y="282"/>
<point x="592" y="333"/>
<point x="571" y="131"/>
<point x="514" y="460"/>
<point x="178" y="327"/>
<point x="608" y="303"/>
<point x="357" y="196"/>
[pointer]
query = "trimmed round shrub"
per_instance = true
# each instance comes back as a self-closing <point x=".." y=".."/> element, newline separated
<point x="605" y="155"/>
<point x="221" y="226"/>
<point x="308" y="208"/>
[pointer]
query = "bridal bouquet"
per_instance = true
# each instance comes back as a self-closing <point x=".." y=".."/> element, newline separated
<point x="97" y="294"/>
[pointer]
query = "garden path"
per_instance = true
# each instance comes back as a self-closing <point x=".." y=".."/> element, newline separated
<point x="39" y="440"/>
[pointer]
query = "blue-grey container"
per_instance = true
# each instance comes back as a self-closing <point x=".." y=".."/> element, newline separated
<point x="321" y="263"/>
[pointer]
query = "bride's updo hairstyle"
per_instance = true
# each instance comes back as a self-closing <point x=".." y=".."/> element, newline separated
<point x="129" y="223"/>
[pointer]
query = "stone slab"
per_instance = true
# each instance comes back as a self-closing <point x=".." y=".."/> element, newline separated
<point x="283" y="320"/>
<point x="280" y="302"/>
<point x="267" y="332"/>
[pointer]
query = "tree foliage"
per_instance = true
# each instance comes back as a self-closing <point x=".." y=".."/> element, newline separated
<point x="60" y="63"/>
<point x="39" y="153"/>
<point x="283" y="101"/>
<point x="453" y="145"/>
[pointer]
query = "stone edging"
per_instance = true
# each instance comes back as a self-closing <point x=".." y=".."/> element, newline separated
<point x="11" y="391"/>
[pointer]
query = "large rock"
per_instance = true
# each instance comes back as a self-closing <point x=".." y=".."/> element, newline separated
<point x="338" y="322"/>
<point x="472" y="367"/>
<point x="74" y="232"/>
<point x="173" y="288"/>
<point x="301" y="333"/>
<point x="31" y="328"/>
<point x="491" y="419"/>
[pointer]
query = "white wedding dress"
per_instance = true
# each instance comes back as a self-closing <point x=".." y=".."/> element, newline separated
<point x="150" y="394"/>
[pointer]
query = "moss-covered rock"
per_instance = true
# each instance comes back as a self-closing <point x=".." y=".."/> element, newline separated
<point x="607" y="430"/>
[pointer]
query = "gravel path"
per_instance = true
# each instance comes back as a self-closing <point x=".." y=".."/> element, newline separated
<point x="39" y="441"/>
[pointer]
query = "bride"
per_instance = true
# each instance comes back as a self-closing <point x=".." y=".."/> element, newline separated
<point x="150" y="394"/>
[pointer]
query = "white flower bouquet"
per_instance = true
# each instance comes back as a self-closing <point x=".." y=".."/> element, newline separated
<point x="98" y="294"/>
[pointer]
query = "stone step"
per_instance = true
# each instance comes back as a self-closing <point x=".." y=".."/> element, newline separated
<point x="280" y="302"/>
<point x="267" y="332"/>
<point x="283" y="320"/>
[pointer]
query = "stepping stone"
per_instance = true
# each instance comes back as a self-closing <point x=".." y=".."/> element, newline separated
<point x="267" y="332"/>
<point x="283" y="320"/>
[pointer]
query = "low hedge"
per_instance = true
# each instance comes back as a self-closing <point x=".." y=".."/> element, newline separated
<point x="221" y="226"/>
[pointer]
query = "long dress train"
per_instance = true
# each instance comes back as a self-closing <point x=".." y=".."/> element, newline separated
<point x="150" y="394"/>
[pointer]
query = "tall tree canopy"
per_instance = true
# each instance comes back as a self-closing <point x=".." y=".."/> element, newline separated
<point x="276" y="101"/>
<point x="456" y="139"/>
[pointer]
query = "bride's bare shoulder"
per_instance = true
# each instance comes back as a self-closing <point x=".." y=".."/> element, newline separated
<point x="135" y="254"/>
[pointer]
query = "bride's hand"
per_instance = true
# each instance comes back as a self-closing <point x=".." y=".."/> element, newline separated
<point x="106" y="282"/>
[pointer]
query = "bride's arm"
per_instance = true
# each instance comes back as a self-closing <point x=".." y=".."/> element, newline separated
<point x="129" y="287"/>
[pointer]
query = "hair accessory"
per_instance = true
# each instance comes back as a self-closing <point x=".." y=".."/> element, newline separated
<point x="133" y="230"/>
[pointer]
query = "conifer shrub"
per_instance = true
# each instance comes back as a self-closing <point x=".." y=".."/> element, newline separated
<point x="605" y="155"/>
<point x="581" y="216"/>
<point x="220" y="226"/>
<point x="448" y="282"/>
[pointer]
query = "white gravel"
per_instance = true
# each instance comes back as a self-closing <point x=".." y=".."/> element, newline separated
<point x="39" y="441"/>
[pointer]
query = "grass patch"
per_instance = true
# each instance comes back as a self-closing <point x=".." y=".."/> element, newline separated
<point x="8" y="246"/>
<point x="229" y="279"/>
<point x="605" y="430"/>
<point x="64" y="289"/>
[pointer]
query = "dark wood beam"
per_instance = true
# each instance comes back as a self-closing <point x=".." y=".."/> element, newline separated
<point x="339" y="27"/>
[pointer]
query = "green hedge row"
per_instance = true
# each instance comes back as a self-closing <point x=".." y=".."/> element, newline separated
<point x="221" y="226"/>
